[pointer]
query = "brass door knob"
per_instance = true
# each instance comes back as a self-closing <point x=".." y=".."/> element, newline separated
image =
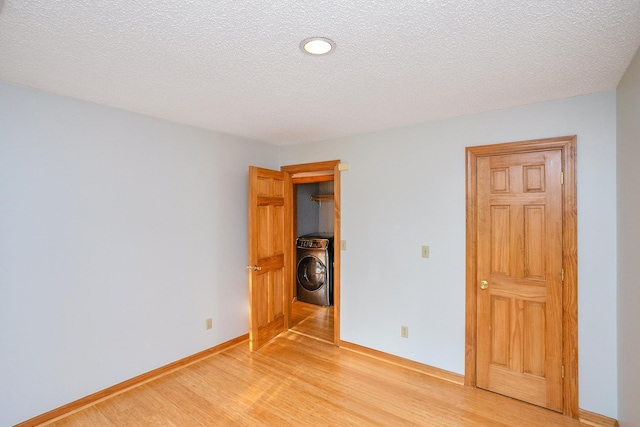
<point x="484" y="284"/>
<point x="253" y="268"/>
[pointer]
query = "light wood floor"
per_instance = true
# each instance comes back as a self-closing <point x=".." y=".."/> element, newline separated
<point x="312" y="320"/>
<point x="299" y="381"/>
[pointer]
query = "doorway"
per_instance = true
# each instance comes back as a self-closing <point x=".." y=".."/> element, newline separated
<point x="272" y="237"/>
<point x="315" y="188"/>
<point x="521" y="291"/>
<point x="312" y="310"/>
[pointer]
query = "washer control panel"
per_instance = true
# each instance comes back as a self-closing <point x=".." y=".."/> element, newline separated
<point x="312" y="243"/>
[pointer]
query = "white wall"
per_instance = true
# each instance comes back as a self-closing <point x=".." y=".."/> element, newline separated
<point x="406" y="188"/>
<point x="628" y="115"/>
<point x="119" y="235"/>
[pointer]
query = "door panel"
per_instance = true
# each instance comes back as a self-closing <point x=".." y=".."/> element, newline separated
<point x="267" y="288"/>
<point x="519" y="240"/>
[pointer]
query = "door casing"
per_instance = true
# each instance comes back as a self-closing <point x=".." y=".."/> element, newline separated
<point x="567" y="145"/>
<point x="302" y="174"/>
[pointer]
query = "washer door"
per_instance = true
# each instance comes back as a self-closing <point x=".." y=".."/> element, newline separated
<point x="312" y="273"/>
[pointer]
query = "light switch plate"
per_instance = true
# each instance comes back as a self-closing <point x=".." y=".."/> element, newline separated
<point x="425" y="252"/>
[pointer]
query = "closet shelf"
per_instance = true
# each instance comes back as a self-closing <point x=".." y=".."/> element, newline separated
<point x="322" y="198"/>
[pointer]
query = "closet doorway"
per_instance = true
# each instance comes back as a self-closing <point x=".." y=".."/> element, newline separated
<point x="315" y="189"/>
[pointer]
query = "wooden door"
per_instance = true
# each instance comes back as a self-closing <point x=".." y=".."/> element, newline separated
<point x="519" y="276"/>
<point x="268" y="292"/>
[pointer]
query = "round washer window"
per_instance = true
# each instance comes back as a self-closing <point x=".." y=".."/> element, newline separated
<point x="312" y="273"/>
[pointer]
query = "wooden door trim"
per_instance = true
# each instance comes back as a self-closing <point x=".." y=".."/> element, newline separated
<point x="567" y="145"/>
<point x="317" y="168"/>
<point x="304" y="173"/>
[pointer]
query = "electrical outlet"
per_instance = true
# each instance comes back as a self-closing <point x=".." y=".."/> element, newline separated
<point x="425" y="252"/>
<point x="404" y="331"/>
<point x="209" y="323"/>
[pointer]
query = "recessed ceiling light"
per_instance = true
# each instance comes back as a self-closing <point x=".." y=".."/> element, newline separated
<point x="317" y="45"/>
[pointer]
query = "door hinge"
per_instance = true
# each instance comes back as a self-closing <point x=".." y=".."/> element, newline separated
<point x="561" y="178"/>
<point x="562" y="371"/>
<point x="563" y="274"/>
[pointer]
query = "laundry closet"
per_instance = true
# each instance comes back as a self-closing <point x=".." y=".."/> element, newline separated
<point x="312" y="309"/>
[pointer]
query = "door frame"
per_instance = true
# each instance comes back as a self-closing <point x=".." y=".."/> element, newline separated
<point x="567" y="146"/>
<point x="308" y="173"/>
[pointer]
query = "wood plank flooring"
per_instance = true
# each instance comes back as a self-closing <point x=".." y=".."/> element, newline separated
<point x="312" y="320"/>
<point x="300" y="381"/>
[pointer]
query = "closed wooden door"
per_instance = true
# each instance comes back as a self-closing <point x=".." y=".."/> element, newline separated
<point x="519" y="276"/>
<point x="268" y="292"/>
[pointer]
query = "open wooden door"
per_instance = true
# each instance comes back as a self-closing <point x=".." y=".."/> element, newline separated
<point x="268" y="290"/>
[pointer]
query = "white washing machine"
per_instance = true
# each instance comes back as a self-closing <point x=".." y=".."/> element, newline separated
<point x="314" y="268"/>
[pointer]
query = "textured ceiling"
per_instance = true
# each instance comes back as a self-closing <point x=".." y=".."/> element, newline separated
<point x="235" y="66"/>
